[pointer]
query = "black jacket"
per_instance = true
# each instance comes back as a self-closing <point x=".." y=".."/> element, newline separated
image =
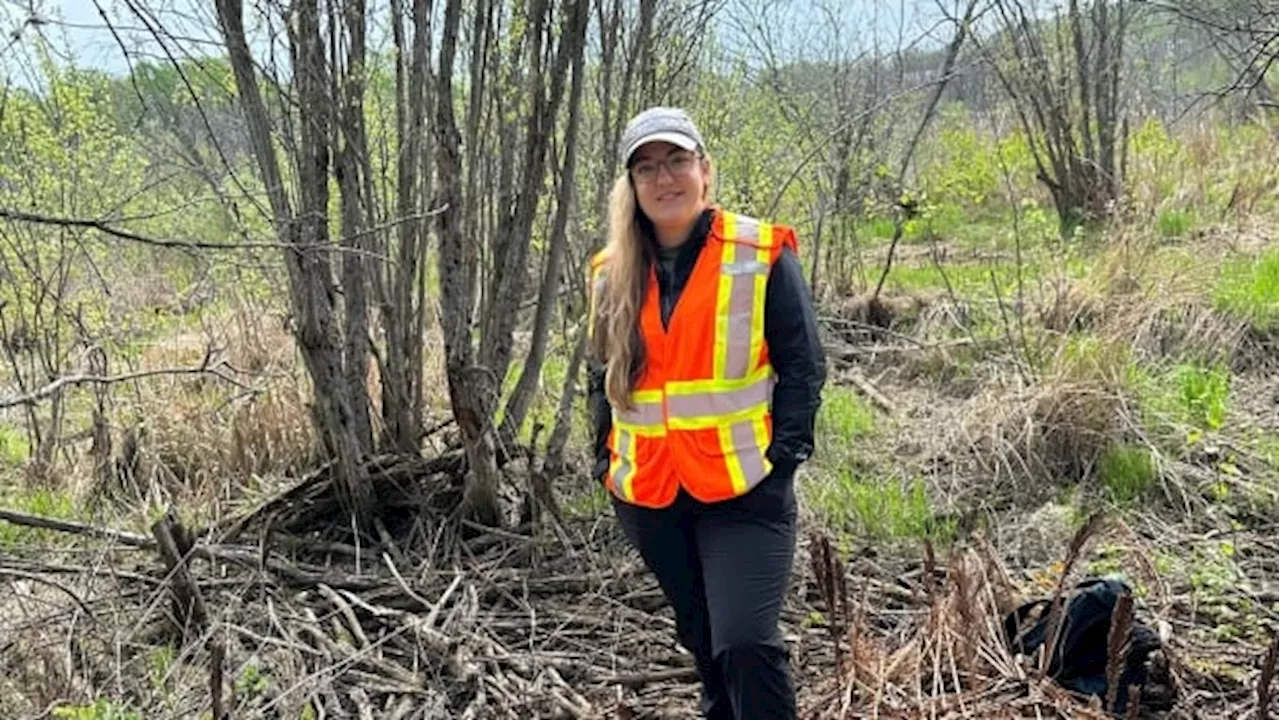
<point x="795" y="351"/>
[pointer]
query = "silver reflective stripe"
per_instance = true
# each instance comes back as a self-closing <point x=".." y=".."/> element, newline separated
<point x="643" y="414"/>
<point x="749" y="267"/>
<point x="742" y="306"/>
<point x="748" y="228"/>
<point x="744" y="442"/>
<point x="720" y="402"/>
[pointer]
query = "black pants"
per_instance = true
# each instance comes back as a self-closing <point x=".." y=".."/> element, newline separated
<point x="725" y="568"/>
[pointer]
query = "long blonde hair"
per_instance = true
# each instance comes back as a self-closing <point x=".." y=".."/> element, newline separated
<point x="616" y="341"/>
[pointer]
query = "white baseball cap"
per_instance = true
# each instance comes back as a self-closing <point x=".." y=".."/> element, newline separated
<point x="660" y="124"/>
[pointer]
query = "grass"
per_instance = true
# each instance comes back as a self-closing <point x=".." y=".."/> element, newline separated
<point x="1173" y="223"/>
<point x="969" y="280"/>
<point x="844" y="417"/>
<point x="1202" y="394"/>
<point x="14" y="449"/>
<point x="1181" y="402"/>
<point x="1127" y="472"/>
<point x="41" y="501"/>
<point x="100" y="710"/>
<point x="877" y="509"/>
<point x="1250" y="290"/>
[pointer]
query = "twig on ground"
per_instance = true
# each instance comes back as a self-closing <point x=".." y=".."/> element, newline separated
<point x="70" y="526"/>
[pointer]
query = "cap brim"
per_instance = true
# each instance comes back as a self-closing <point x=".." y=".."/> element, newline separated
<point x="675" y="138"/>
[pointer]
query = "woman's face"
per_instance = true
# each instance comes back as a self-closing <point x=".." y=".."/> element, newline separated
<point x="670" y="184"/>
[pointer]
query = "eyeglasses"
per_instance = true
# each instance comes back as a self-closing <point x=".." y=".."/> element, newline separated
<point x="645" y="172"/>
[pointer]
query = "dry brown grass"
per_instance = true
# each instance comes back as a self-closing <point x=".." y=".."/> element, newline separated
<point x="206" y="441"/>
<point x="1069" y="306"/>
<point x="951" y="662"/>
<point x="202" y="439"/>
<point x="1032" y="439"/>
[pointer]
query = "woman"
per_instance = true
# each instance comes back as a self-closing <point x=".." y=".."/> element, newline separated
<point x="705" y="378"/>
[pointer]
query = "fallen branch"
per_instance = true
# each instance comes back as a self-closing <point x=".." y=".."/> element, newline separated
<point x="33" y="577"/>
<point x="873" y="393"/>
<point x="1267" y="679"/>
<point x="636" y="680"/>
<point x="192" y="611"/>
<point x="69" y="526"/>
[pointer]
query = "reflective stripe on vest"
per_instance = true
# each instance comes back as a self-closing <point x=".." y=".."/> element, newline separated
<point x="738" y="408"/>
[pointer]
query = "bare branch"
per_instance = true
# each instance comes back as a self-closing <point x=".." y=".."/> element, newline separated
<point x="205" y="368"/>
<point x="104" y="227"/>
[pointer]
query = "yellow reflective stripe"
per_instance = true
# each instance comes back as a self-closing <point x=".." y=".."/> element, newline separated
<point x="695" y="387"/>
<point x="646" y="417"/>
<point x="615" y="457"/>
<point x="702" y="422"/>
<point x="764" y="238"/>
<point x="762" y="442"/>
<point x="646" y="397"/>
<point x="628" y="486"/>
<point x="731" y="460"/>
<point x="730" y="226"/>
<point x="626" y="456"/>
<point x="658" y="430"/>
<point x="761" y="280"/>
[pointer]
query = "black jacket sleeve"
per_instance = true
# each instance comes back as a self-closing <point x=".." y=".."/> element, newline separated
<point x="795" y="351"/>
<point x="601" y="417"/>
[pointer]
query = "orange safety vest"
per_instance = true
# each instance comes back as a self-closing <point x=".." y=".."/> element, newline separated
<point x="701" y="409"/>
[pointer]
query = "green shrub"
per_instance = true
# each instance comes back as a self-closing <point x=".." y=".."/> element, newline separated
<point x="14" y="449"/>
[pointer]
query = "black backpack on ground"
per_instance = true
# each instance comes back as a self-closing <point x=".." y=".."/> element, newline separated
<point x="1079" y="663"/>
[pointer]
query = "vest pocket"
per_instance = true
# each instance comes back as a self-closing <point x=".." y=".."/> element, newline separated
<point x="735" y="451"/>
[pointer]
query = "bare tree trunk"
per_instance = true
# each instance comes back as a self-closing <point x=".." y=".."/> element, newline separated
<point x="426" y="189"/>
<point x="554" y="463"/>
<point x="511" y="260"/>
<point x="470" y="388"/>
<point x="522" y="396"/>
<point x="402" y="309"/>
<point x="350" y="144"/>
<point x="307" y="261"/>
<point x="948" y="65"/>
